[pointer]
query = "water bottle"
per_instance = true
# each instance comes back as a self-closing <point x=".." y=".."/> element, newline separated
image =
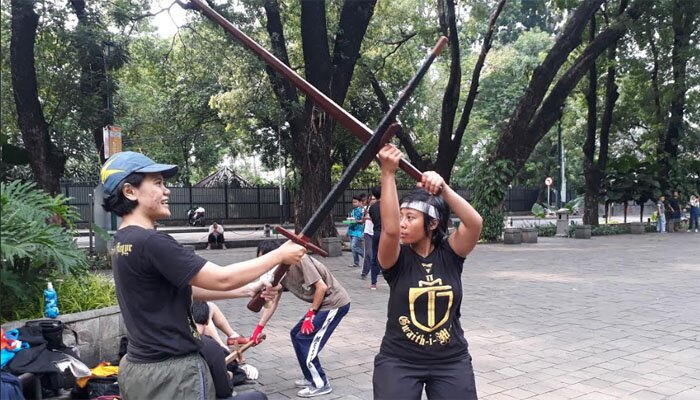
<point x="50" y="302"/>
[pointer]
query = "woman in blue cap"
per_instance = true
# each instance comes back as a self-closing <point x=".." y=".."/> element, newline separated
<point x="156" y="279"/>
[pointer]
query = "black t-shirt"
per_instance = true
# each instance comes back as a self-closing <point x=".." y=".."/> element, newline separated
<point x="375" y="214"/>
<point x="152" y="273"/>
<point x="215" y="356"/>
<point x="675" y="206"/>
<point x="424" y="307"/>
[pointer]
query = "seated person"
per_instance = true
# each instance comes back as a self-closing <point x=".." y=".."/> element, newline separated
<point x="215" y="356"/>
<point x="220" y="322"/>
<point x="216" y="237"/>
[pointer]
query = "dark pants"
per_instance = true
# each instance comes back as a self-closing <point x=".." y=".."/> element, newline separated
<point x="307" y="347"/>
<point x="369" y="255"/>
<point x="248" y="395"/>
<point x="375" y="263"/>
<point x="398" y="379"/>
<point x="217" y="240"/>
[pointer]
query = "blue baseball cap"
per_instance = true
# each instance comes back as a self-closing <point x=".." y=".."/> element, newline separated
<point x="123" y="164"/>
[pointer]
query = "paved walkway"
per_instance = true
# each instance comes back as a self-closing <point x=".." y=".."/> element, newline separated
<point x="607" y="318"/>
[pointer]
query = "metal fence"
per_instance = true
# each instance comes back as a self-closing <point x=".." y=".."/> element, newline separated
<point x="261" y="204"/>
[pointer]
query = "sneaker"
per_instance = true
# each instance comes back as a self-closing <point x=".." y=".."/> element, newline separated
<point x="372" y="287"/>
<point x="302" y="383"/>
<point x="363" y="276"/>
<point x="354" y="266"/>
<point x="313" y="391"/>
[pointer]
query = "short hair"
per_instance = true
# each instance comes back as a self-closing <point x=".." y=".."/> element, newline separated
<point x="442" y="208"/>
<point x="117" y="202"/>
<point x="357" y="197"/>
<point x="200" y="312"/>
<point x="377" y="192"/>
<point x="267" y="246"/>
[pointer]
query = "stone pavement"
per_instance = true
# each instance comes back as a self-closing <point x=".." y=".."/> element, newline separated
<point x="608" y="318"/>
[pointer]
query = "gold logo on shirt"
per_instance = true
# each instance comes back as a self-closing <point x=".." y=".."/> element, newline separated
<point x="123" y="249"/>
<point x="433" y="289"/>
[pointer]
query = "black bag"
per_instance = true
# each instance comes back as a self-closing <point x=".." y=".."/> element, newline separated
<point x="96" y="387"/>
<point x="52" y="330"/>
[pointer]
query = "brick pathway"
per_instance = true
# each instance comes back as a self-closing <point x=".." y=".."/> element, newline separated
<point x="607" y="318"/>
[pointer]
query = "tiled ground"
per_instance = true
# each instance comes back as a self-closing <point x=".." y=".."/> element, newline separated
<point x="607" y="318"/>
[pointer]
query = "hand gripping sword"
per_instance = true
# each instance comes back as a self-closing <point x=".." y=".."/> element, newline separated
<point x="372" y="139"/>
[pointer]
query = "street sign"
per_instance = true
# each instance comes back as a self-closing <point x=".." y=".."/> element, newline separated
<point x="112" y="137"/>
<point x="548" y="181"/>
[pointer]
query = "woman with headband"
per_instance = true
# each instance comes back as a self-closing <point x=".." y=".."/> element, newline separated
<point x="424" y="344"/>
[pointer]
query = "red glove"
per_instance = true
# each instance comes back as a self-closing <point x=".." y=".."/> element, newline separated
<point x="256" y="334"/>
<point x="307" y="327"/>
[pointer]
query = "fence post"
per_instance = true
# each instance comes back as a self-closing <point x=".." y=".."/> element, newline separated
<point x="226" y="198"/>
<point x="189" y="186"/>
<point x="259" y="209"/>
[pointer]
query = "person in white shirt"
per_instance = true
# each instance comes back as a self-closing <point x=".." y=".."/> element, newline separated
<point x="216" y="237"/>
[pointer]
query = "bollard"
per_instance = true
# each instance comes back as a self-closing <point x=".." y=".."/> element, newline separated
<point x="562" y="222"/>
<point x="266" y="230"/>
<point x="512" y="236"/>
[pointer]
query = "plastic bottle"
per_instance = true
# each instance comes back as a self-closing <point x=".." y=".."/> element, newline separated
<point x="50" y="302"/>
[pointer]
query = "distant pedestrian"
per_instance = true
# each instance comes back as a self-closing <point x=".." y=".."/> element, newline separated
<point x="694" y="206"/>
<point x="215" y="239"/>
<point x="376" y="217"/>
<point x="661" y="214"/>
<point x="368" y="237"/>
<point x="356" y="230"/>
<point x="674" y="205"/>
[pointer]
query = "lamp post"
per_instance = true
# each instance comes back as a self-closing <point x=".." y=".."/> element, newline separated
<point x="510" y="208"/>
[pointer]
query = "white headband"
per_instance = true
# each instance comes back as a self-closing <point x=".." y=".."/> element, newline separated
<point x="422" y="207"/>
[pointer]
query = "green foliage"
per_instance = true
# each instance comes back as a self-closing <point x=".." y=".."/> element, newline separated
<point x="86" y="292"/>
<point x="31" y="246"/>
<point x="612" y="229"/>
<point x="574" y="205"/>
<point x="547" y="230"/>
<point x="490" y="183"/>
<point x="538" y="211"/>
<point x="75" y="294"/>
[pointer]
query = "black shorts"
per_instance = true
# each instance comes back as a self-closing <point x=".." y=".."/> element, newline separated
<point x="398" y="379"/>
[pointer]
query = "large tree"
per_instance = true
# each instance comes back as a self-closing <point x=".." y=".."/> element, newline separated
<point x="540" y="107"/>
<point x="47" y="161"/>
<point x="684" y="22"/>
<point x="594" y="168"/>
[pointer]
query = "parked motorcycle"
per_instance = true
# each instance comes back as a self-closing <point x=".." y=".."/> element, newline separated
<point x="195" y="216"/>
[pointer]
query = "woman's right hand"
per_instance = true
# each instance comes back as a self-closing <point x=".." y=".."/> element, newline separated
<point x="389" y="157"/>
<point x="291" y="252"/>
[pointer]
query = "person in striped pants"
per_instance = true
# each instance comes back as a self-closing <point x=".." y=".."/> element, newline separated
<point x="312" y="282"/>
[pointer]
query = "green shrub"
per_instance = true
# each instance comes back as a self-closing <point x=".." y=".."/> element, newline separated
<point x="87" y="292"/>
<point x="613" y="229"/>
<point x="75" y="294"/>
<point x="31" y="247"/>
<point x="546" y="230"/>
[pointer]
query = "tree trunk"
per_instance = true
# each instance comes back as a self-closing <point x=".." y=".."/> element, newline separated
<point x="312" y="129"/>
<point x="95" y="108"/>
<point x="47" y="162"/>
<point x="450" y="137"/>
<point x="591" y="174"/>
<point x="684" y="13"/>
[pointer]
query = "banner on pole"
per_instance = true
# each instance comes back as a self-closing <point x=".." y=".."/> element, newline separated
<point x="112" y="137"/>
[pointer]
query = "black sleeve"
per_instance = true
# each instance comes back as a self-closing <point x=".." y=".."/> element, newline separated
<point x="215" y="357"/>
<point x="177" y="264"/>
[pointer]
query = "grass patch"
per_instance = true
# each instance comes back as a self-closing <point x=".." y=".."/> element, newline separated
<point x="75" y="294"/>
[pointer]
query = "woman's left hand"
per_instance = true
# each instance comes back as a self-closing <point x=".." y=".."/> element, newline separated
<point x="432" y="182"/>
